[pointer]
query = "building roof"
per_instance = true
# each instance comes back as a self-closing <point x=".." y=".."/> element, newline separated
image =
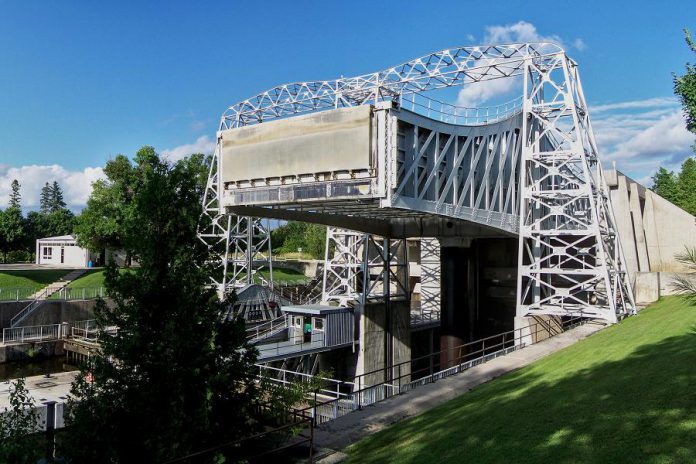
<point x="313" y="309"/>
<point x="59" y="238"/>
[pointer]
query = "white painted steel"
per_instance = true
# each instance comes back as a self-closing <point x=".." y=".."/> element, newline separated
<point x="530" y="169"/>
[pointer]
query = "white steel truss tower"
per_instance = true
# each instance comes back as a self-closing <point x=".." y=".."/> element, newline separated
<point x="570" y="257"/>
<point x="240" y="244"/>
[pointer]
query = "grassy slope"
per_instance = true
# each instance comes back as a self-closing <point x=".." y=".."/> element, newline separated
<point x="94" y="278"/>
<point x="626" y="394"/>
<point x="35" y="278"/>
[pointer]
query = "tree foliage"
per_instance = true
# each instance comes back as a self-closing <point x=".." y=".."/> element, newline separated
<point x="685" y="87"/>
<point x="17" y="423"/>
<point x="295" y="236"/>
<point x="680" y="187"/>
<point x="12" y="231"/>
<point x="15" y="195"/>
<point x="176" y="377"/>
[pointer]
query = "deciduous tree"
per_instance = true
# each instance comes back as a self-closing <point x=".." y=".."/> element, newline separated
<point x="176" y="377"/>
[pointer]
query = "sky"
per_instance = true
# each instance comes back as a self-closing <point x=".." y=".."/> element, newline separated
<point x="81" y="82"/>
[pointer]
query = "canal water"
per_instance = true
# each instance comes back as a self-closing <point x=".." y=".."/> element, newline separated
<point x="29" y="368"/>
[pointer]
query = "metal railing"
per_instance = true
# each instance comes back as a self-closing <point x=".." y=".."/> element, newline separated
<point x="34" y="333"/>
<point x="18" y="293"/>
<point x="287" y="348"/>
<point x="65" y="293"/>
<point x="427" y="369"/>
<point x="261" y="331"/>
<point x="85" y="330"/>
<point x="297" y="431"/>
<point x="79" y="293"/>
<point x="427" y="317"/>
<point x="453" y="114"/>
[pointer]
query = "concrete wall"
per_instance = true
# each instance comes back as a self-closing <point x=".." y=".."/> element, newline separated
<point x="653" y="232"/>
<point x="24" y="351"/>
<point x="51" y="312"/>
<point x="373" y="338"/>
<point x="652" y="229"/>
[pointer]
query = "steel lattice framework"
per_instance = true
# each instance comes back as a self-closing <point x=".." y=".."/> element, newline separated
<point x="570" y="258"/>
<point x="240" y="244"/>
<point x="535" y="172"/>
<point x="360" y="267"/>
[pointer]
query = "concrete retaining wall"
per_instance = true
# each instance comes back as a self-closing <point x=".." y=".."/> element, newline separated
<point x="652" y="230"/>
<point x="51" y="312"/>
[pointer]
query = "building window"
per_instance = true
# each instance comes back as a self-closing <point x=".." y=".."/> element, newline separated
<point x="318" y="324"/>
<point x="47" y="253"/>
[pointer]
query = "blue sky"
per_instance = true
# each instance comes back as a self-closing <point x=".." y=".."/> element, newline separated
<point x="83" y="81"/>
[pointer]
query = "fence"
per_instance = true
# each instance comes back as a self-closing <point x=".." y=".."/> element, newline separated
<point x="66" y="293"/>
<point x="85" y="330"/>
<point x="266" y="329"/>
<point x="34" y="333"/>
<point x="262" y="446"/>
<point x="18" y="293"/>
<point x="397" y="379"/>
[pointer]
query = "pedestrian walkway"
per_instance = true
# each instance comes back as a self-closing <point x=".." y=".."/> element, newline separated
<point x="336" y="435"/>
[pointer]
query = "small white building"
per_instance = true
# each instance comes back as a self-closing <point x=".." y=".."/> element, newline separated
<point x="64" y="251"/>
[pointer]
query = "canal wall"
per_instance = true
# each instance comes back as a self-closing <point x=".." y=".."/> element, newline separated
<point x="50" y="312"/>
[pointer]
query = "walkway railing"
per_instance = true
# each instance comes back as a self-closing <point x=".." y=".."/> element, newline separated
<point x="378" y="385"/>
<point x="65" y="293"/>
<point x="261" y="331"/>
<point x="18" y="293"/>
<point x="85" y="330"/>
<point x="34" y="333"/>
<point x="286" y="348"/>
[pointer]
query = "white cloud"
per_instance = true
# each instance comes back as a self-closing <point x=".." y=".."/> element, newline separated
<point x="656" y="102"/>
<point x="203" y="144"/>
<point x="521" y="31"/>
<point x="474" y="94"/>
<point x="666" y="139"/>
<point x="477" y="94"/>
<point x="579" y="44"/>
<point x="77" y="185"/>
<point x="642" y="135"/>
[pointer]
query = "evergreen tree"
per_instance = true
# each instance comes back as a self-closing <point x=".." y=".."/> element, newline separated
<point x="15" y="196"/>
<point x="665" y="184"/>
<point x="45" y="200"/>
<point x="686" y="186"/>
<point x="176" y="377"/>
<point x="56" y="202"/>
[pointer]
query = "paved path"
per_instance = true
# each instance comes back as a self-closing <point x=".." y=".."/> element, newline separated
<point x="340" y="433"/>
<point x="41" y="388"/>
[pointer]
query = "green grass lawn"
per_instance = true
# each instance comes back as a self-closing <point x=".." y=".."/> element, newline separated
<point x="626" y="394"/>
<point x="93" y="278"/>
<point x="34" y="278"/>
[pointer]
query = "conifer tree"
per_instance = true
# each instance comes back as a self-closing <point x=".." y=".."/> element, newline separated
<point x="56" y="198"/>
<point x="45" y="200"/>
<point x="15" y="196"/>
